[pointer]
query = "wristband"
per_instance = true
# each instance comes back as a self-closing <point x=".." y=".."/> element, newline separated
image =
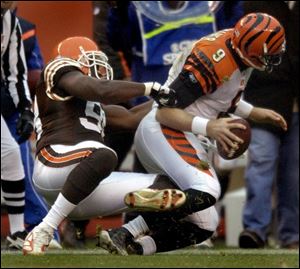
<point x="199" y="125"/>
<point x="148" y="88"/>
<point x="243" y="109"/>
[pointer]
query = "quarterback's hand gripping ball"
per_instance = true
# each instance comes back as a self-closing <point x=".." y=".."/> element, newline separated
<point x="245" y="135"/>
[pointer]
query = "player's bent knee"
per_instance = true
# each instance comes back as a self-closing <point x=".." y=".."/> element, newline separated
<point x="86" y="176"/>
<point x="197" y="200"/>
<point x="102" y="161"/>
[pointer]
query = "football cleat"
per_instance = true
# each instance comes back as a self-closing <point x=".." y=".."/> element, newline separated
<point x="16" y="240"/>
<point x="73" y="235"/>
<point x="37" y="240"/>
<point x="134" y="248"/>
<point x="114" y="240"/>
<point x="155" y="200"/>
<point x="205" y="244"/>
<point x="54" y="244"/>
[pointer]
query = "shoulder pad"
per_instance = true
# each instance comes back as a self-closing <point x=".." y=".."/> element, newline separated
<point x="51" y="70"/>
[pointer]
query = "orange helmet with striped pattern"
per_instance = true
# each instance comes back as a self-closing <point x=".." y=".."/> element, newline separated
<point x="85" y="51"/>
<point x="259" y="39"/>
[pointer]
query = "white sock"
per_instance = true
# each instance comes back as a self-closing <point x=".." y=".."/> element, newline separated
<point x="137" y="226"/>
<point x="148" y="244"/>
<point x="58" y="212"/>
<point x="16" y="223"/>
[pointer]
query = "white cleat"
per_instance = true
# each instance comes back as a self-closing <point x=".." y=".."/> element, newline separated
<point x="38" y="240"/>
<point x="54" y="244"/>
<point x="155" y="200"/>
<point x="205" y="244"/>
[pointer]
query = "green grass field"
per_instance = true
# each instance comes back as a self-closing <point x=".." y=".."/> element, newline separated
<point x="187" y="258"/>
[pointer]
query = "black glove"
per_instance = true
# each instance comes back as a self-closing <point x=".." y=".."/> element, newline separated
<point x="163" y="95"/>
<point x="25" y="125"/>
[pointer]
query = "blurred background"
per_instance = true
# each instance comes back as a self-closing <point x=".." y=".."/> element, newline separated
<point x="56" y="20"/>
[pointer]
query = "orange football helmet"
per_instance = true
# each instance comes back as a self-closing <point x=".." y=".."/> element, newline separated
<point x="259" y="39"/>
<point x="85" y="51"/>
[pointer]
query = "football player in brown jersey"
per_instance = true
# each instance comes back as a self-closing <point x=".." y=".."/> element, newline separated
<point x="71" y="159"/>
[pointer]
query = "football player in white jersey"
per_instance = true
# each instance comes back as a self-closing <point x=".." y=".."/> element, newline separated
<point x="208" y="80"/>
<point x="71" y="160"/>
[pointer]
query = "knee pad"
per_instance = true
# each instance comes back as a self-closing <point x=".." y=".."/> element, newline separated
<point x="87" y="175"/>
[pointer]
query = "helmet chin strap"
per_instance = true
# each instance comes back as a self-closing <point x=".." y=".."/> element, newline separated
<point x="269" y="68"/>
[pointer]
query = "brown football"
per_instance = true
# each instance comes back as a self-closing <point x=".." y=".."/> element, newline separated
<point x="243" y="134"/>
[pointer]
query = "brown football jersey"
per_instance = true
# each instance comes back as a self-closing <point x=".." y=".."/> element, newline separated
<point x="60" y="118"/>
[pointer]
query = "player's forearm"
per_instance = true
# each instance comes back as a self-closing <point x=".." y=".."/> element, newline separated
<point x="120" y="118"/>
<point x="104" y="91"/>
<point x="113" y="92"/>
<point x="137" y="113"/>
<point x="179" y="119"/>
<point x="175" y="118"/>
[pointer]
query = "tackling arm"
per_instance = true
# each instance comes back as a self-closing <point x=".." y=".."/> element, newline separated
<point x="105" y="91"/>
<point x="120" y="118"/>
<point x="85" y="87"/>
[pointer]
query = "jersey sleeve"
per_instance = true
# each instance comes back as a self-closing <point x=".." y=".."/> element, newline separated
<point x="198" y="77"/>
<point x="53" y="72"/>
<point x="201" y="68"/>
<point x="205" y="69"/>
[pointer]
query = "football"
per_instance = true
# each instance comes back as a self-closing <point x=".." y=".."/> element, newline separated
<point x="243" y="134"/>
